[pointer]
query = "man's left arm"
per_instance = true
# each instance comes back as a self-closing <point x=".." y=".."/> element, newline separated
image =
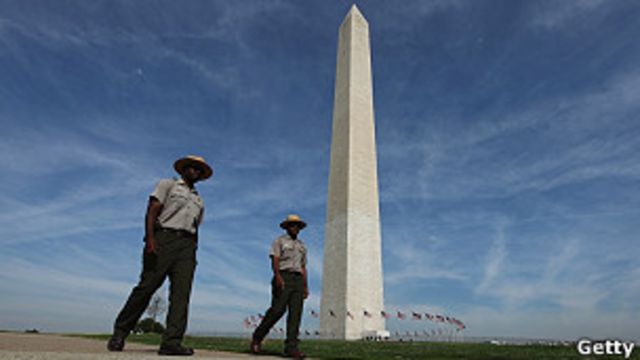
<point x="304" y="277"/>
<point x="200" y="218"/>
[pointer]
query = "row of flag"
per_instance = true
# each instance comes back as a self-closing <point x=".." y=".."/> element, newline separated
<point x="424" y="333"/>
<point x="254" y="320"/>
<point x="403" y="316"/>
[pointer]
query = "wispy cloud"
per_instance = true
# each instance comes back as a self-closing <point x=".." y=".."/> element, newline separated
<point x="494" y="264"/>
<point x="572" y="142"/>
<point x="561" y="278"/>
<point x="411" y="14"/>
<point x="108" y="175"/>
<point x="419" y="260"/>
<point x="553" y="15"/>
<point x="33" y="277"/>
<point x="536" y="323"/>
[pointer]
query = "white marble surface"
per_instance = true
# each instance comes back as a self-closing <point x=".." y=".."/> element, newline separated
<point x="352" y="274"/>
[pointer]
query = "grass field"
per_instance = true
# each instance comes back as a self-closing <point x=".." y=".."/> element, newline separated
<point x="330" y="349"/>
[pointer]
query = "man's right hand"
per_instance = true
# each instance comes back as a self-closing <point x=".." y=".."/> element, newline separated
<point x="280" y="282"/>
<point x="151" y="245"/>
<point x="150" y="220"/>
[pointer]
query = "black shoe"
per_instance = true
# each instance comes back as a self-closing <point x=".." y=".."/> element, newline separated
<point x="177" y="350"/>
<point x="116" y="343"/>
<point x="294" y="353"/>
<point x="255" y="347"/>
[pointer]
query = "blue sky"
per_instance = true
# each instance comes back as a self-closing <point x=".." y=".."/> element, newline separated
<point x="508" y="147"/>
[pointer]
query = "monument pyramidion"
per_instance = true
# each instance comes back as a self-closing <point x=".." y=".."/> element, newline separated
<point x="352" y="288"/>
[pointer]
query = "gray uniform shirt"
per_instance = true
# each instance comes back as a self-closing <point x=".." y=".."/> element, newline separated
<point x="182" y="209"/>
<point x="292" y="253"/>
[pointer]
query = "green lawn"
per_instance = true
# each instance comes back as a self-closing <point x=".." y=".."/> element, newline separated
<point x="331" y="349"/>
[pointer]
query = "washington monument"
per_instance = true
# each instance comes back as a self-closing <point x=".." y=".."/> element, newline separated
<point x="352" y="295"/>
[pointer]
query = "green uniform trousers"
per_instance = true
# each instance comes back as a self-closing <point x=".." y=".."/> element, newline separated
<point x="290" y="298"/>
<point x="176" y="259"/>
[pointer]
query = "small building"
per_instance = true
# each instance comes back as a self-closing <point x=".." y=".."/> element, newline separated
<point x="376" y="335"/>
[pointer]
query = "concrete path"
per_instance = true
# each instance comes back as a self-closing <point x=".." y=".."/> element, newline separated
<point x="19" y="346"/>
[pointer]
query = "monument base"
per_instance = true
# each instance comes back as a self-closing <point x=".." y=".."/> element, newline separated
<point x="376" y="335"/>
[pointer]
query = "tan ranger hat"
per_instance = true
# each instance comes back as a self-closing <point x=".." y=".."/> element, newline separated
<point x="180" y="164"/>
<point x="293" y="219"/>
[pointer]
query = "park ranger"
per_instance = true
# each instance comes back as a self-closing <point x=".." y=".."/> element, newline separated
<point x="174" y="213"/>
<point x="288" y="288"/>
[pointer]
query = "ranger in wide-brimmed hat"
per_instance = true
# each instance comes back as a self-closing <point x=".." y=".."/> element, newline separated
<point x="293" y="219"/>
<point x="174" y="213"/>
<point x="194" y="161"/>
<point x="289" y="287"/>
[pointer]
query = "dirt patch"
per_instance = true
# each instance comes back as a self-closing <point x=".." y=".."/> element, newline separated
<point x="19" y="346"/>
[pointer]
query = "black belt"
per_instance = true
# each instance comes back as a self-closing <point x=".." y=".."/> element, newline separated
<point x="290" y="272"/>
<point x="175" y="231"/>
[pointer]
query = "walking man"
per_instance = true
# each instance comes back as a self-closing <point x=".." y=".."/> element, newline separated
<point x="174" y="213"/>
<point x="288" y="288"/>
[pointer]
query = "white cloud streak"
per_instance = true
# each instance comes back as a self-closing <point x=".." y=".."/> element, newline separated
<point x="555" y="15"/>
<point x="415" y="261"/>
<point x="462" y="167"/>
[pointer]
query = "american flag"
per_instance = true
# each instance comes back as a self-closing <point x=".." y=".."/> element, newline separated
<point x="416" y="316"/>
<point x="439" y="318"/>
<point x="401" y="316"/>
<point x="459" y="324"/>
<point x="314" y="313"/>
<point x="428" y="316"/>
<point x="384" y="314"/>
<point x="367" y="314"/>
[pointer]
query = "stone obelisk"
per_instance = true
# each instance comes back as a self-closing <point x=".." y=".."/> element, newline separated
<point x="352" y="295"/>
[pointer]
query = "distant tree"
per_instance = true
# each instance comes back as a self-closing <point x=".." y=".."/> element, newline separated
<point x="156" y="307"/>
<point x="148" y="325"/>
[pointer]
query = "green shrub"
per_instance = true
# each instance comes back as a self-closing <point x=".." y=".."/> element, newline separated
<point x="148" y="325"/>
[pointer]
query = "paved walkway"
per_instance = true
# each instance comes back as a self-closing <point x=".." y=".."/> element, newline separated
<point x="19" y="346"/>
